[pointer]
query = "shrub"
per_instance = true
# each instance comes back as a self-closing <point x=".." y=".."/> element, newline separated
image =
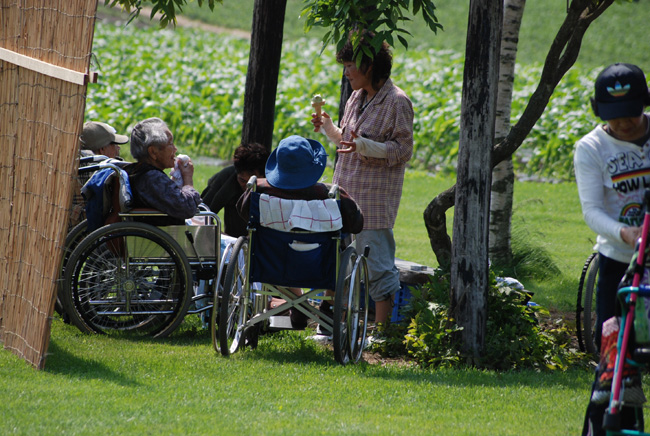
<point x="515" y="336"/>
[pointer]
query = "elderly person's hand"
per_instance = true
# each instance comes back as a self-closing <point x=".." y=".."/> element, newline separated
<point x="187" y="172"/>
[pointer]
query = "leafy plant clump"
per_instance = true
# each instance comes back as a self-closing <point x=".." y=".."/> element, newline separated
<point x="516" y="338"/>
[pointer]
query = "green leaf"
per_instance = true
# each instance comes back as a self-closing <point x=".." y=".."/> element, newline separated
<point x="403" y="41"/>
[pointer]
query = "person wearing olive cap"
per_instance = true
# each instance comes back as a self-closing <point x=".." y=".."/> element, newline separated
<point x="102" y="139"/>
<point x="612" y="166"/>
<point x="293" y="171"/>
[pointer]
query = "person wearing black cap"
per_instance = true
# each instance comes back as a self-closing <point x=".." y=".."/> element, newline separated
<point x="293" y="171"/>
<point x="612" y="165"/>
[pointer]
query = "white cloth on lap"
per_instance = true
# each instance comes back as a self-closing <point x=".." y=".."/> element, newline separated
<point x="313" y="215"/>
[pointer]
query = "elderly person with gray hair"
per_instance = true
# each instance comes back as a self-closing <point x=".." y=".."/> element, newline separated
<point x="152" y="145"/>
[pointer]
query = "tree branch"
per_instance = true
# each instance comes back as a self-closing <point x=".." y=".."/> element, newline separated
<point x="561" y="56"/>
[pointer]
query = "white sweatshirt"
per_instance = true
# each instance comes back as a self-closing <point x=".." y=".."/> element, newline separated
<point x="612" y="176"/>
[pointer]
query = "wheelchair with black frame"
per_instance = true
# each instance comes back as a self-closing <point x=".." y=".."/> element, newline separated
<point x="269" y="262"/>
<point x="129" y="276"/>
<point x="586" y="306"/>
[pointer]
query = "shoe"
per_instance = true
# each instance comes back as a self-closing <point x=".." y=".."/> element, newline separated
<point x="321" y="339"/>
<point x="298" y="319"/>
<point x="377" y="338"/>
<point x="373" y="340"/>
<point x="322" y="329"/>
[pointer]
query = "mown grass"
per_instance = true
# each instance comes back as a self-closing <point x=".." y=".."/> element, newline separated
<point x="101" y="385"/>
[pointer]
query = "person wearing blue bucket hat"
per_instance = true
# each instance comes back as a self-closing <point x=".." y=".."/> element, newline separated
<point x="293" y="171"/>
<point x="297" y="163"/>
<point x="612" y="172"/>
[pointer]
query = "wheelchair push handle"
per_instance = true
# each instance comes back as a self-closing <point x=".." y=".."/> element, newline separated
<point x="252" y="183"/>
<point x="334" y="192"/>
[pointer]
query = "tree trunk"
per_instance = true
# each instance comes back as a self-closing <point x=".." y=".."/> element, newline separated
<point x="263" y="71"/>
<point x="469" y="267"/>
<point x="503" y="176"/>
<point x="561" y="56"/>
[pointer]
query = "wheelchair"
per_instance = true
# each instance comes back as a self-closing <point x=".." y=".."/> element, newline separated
<point x="586" y="306"/>
<point x="268" y="262"/>
<point x="77" y="227"/>
<point x="131" y="277"/>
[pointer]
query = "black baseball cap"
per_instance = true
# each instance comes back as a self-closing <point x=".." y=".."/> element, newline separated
<point x="621" y="92"/>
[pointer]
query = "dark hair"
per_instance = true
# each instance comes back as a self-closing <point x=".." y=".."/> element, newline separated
<point x="381" y="63"/>
<point x="251" y="158"/>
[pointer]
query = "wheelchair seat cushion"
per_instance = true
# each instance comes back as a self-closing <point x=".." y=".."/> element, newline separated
<point x="287" y="214"/>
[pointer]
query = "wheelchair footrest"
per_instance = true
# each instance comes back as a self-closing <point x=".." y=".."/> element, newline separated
<point x="280" y="323"/>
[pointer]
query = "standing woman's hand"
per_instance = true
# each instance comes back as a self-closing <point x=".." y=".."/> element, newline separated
<point x="319" y="121"/>
<point x="348" y="146"/>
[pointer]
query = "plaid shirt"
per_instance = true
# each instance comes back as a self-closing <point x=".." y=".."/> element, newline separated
<point x="376" y="184"/>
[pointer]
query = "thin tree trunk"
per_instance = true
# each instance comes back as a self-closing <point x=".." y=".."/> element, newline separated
<point x="263" y="71"/>
<point x="469" y="267"/>
<point x="503" y="176"/>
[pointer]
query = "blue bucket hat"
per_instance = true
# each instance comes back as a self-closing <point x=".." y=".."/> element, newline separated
<point x="296" y="163"/>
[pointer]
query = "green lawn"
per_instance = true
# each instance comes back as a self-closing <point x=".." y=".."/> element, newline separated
<point x="288" y="386"/>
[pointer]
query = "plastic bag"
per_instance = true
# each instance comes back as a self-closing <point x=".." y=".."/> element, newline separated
<point x="177" y="177"/>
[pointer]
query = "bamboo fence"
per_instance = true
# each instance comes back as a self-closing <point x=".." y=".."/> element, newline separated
<point x="45" y="50"/>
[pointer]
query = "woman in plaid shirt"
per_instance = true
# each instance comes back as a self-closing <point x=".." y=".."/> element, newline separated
<point x="375" y="141"/>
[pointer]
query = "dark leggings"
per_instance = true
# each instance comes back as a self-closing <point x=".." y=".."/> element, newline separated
<point x="610" y="273"/>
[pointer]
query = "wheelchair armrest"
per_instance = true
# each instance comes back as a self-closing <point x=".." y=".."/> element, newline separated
<point x="143" y="211"/>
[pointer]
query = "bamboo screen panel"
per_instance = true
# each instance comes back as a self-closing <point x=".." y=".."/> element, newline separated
<point x="45" y="46"/>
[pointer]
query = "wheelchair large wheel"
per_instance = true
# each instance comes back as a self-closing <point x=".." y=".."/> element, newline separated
<point x="216" y="304"/>
<point x="586" y="306"/>
<point x="233" y="306"/>
<point x="127" y="277"/>
<point x="74" y="237"/>
<point x="350" y="308"/>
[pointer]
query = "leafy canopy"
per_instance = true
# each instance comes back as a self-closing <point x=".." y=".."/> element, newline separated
<point x="167" y="8"/>
<point x="384" y="18"/>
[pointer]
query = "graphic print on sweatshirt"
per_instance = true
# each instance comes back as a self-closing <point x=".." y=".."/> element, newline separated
<point x="630" y="176"/>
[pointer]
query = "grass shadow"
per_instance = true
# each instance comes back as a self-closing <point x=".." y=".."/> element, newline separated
<point x="62" y="362"/>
